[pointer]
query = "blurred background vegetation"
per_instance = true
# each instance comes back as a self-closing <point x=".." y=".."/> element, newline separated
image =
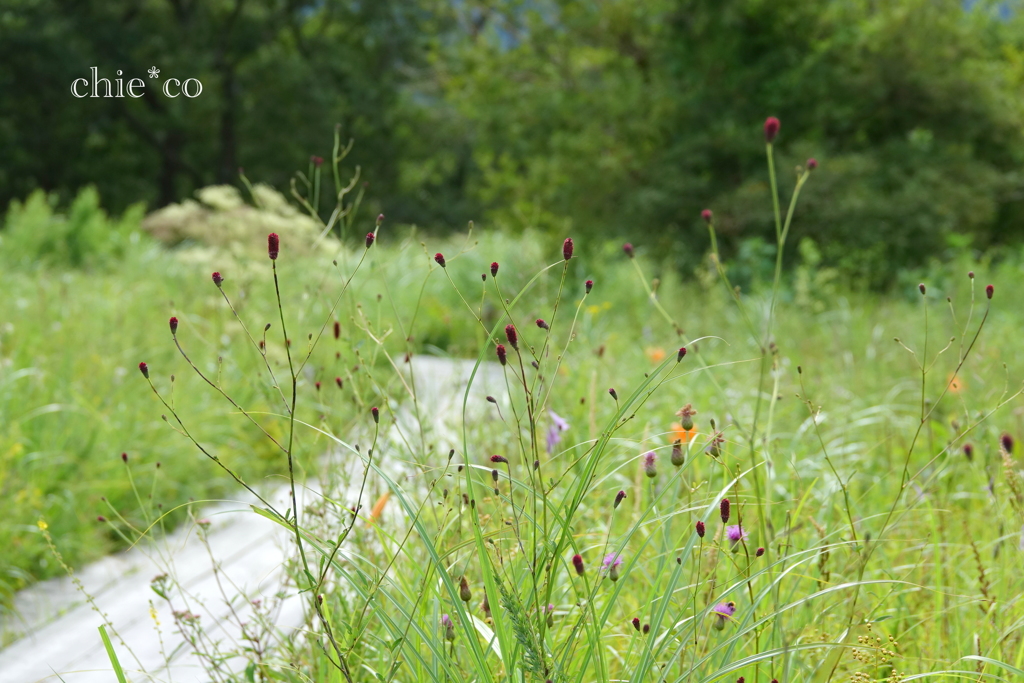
<point x="614" y="119"/>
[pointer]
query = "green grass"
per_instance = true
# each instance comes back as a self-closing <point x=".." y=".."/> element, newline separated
<point x="935" y="565"/>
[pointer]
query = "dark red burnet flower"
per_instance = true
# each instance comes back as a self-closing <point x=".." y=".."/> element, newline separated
<point x="812" y="164"/>
<point x="636" y="623"/>
<point x="771" y="129"/>
<point x="700" y="528"/>
<point x="542" y="325"/>
<point x="317" y="161"/>
<point x="567" y="247"/>
<point x="124" y="457"/>
<point x="494" y="269"/>
<point x="439" y="257"/>
<point x="647" y="629"/>
<point x="217" y="278"/>
<point x="681" y="353"/>
<point x="969" y="451"/>
<point x="1006" y="442"/>
<point x="512" y="336"/>
<point x="922" y="288"/>
<point x="273" y="246"/>
<point x="618" y="499"/>
<point x="502" y="354"/>
<point x="577" y="563"/>
<point x="589" y="285"/>
<point x="724" y="509"/>
<point x="144" y="369"/>
<point x="101" y="518"/>
<point x="173" y="323"/>
<point x="613" y="393"/>
<point x="627" y="248"/>
<point x="370" y="237"/>
<point x="499" y="459"/>
<point x="706" y="215"/>
<point x="337" y="380"/>
<point x="759" y="553"/>
<point x="375" y="412"/>
<point x="337" y="329"/>
<point x="989" y="291"/>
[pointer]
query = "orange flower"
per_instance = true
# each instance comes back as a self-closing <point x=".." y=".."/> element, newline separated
<point x="655" y="354"/>
<point x="378" y="508"/>
<point x="956" y="384"/>
<point x="684" y="435"/>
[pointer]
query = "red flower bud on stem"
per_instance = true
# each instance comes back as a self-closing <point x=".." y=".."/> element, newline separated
<point x="577" y="563"/>
<point x="706" y="215"/>
<point x="542" y="325"/>
<point x="512" y="336"/>
<point x="628" y="249"/>
<point x="502" y="354"/>
<point x="812" y="164"/>
<point x="636" y="623"/>
<point x="771" y="129"/>
<point x="611" y="392"/>
<point x="567" y="247"/>
<point x="124" y="457"/>
<point x="618" y="498"/>
<point x="700" y="528"/>
<point x="273" y="245"/>
<point x="499" y="459"/>
<point x="590" y="285"/>
<point x="989" y="291"/>
<point x="337" y="329"/>
<point x="439" y="257"/>
<point x="173" y="322"/>
<point x="217" y="279"/>
<point x="370" y="237"/>
<point x="681" y="353"/>
<point x="375" y="412"/>
<point x="724" y="509"/>
<point x="144" y="369"/>
<point x="494" y="269"/>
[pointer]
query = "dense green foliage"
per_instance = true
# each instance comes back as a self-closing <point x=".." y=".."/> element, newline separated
<point x="615" y="118"/>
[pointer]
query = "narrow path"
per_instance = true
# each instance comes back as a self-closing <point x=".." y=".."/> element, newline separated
<point x="60" y="640"/>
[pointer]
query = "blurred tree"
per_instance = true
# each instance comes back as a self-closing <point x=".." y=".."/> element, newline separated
<point x="276" y="75"/>
<point x="627" y="118"/>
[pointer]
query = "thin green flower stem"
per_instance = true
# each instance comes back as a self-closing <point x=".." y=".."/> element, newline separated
<point x="342" y="667"/>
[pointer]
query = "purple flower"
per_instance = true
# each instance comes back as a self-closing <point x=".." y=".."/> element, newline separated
<point x="722" y="611"/>
<point x="611" y="564"/>
<point x="649" y="464"/>
<point x="558" y="425"/>
<point x="449" y="627"/>
<point x="736" y="535"/>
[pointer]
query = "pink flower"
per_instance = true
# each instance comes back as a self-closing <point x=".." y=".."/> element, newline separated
<point x="611" y="564"/>
<point x="723" y="611"/>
